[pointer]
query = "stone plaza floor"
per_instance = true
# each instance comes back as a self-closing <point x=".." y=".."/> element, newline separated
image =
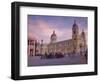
<point x="67" y="60"/>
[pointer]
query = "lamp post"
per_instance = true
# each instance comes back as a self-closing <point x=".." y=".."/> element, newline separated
<point x="41" y="46"/>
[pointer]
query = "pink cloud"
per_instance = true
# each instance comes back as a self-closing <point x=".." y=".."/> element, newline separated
<point x="32" y="36"/>
<point x="41" y="30"/>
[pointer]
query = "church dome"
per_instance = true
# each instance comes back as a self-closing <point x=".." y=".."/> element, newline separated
<point x="75" y="26"/>
<point x="53" y="34"/>
<point x="53" y="37"/>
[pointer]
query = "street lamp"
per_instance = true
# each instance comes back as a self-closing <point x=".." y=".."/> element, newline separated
<point x="41" y="46"/>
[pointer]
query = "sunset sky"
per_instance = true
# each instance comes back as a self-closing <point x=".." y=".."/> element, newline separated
<point x="41" y="27"/>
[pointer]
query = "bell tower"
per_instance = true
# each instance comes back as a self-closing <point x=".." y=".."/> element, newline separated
<point x="75" y="30"/>
<point x="83" y="39"/>
<point x="75" y="37"/>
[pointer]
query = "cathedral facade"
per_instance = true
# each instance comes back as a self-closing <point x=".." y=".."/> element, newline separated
<point x="75" y="45"/>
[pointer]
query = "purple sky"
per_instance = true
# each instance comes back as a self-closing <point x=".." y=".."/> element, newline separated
<point x="41" y="27"/>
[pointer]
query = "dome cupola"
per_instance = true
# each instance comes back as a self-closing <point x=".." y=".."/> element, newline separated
<point x="53" y="37"/>
<point x="53" y="34"/>
<point x="75" y="26"/>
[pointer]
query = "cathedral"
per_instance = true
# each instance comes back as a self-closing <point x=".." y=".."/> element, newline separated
<point x="76" y="45"/>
